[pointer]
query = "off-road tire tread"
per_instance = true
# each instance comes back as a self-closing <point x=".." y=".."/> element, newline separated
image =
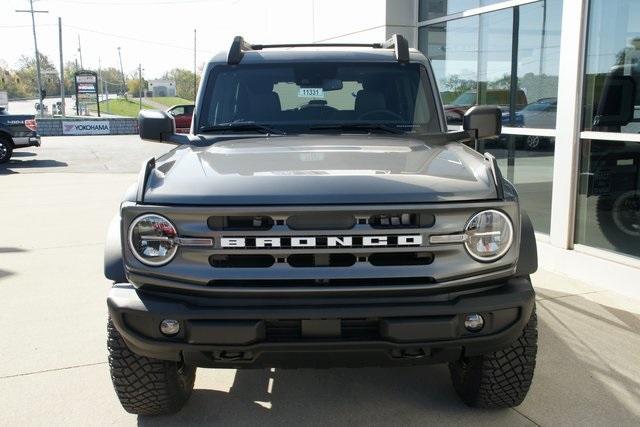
<point x="500" y="379"/>
<point x="146" y="386"/>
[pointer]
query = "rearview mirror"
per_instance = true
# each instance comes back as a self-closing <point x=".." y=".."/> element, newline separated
<point x="159" y="126"/>
<point x="483" y="121"/>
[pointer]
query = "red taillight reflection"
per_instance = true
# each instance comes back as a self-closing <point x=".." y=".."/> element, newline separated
<point x="31" y="124"/>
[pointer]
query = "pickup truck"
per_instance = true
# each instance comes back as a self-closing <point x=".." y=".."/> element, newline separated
<point x="16" y="131"/>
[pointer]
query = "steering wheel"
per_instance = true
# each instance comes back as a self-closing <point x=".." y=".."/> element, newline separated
<point x="381" y="112"/>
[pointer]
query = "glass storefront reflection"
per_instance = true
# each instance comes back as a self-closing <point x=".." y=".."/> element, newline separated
<point x="480" y="59"/>
<point x="608" y="214"/>
<point x="527" y="162"/>
<point x="430" y="9"/>
<point x="612" y="80"/>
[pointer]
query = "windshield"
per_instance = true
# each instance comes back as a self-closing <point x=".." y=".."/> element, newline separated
<point x="306" y="97"/>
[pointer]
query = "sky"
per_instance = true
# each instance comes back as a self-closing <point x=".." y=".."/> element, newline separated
<point x="156" y="33"/>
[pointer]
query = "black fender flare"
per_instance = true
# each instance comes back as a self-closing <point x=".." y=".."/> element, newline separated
<point x="528" y="255"/>
<point x="113" y="262"/>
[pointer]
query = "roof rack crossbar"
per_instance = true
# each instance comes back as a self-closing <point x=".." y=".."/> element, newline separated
<point x="400" y="45"/>
<point x="271" y="46"/>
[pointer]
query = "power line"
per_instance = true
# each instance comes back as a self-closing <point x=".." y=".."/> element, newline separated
<point x="120" y="36"/>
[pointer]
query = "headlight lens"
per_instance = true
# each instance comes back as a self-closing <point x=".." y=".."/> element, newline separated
<point x="489" y="235"/>
<point x="152" y="239"/>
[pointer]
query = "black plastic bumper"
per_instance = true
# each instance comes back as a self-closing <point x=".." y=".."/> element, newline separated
<point x="391" y="332"/>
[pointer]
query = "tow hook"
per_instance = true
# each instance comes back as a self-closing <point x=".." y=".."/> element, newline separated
<point x="411" y="353"/>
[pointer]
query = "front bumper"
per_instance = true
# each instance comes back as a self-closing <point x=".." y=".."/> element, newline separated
<point x="402" y="331"/>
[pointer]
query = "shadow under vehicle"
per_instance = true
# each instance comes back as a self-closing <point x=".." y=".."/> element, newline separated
<point x="299" y="225"/>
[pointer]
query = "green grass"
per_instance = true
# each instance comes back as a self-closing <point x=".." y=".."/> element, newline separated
<point x="121" y="107"/>
<point x="170" y="101"/>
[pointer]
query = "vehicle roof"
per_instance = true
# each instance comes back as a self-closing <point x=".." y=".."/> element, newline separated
<point x="318" y="54"/>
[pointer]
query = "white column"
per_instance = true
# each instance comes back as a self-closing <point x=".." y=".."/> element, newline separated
<point x="566" y="158"/>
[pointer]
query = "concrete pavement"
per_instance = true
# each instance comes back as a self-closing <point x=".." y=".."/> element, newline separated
<point x="55" y="204"/>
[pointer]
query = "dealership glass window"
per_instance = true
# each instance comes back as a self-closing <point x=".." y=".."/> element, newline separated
<point x="430" y="9"/>
<point x="478" y="60"/>
<point x="608" y="207"/>
<point x="527" y="162"/>
<point x="608" y="211"/>
<point x="538" y="60"/>
<point x="474" y="59"/>
<point x="471" y="59"/>
<point x="612" y="80"/>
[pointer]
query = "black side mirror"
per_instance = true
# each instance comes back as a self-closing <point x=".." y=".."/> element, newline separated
<point x="617" y="102"/>
<point x="483" y="121"/>
<point x="159" y="126"/>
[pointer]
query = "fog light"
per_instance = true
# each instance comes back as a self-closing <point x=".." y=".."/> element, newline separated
<point x="473" y="322"/>
<point x="169" y="327"/>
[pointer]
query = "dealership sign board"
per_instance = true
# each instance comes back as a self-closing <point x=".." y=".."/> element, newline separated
<point x="86" y="83"/>
<point x="86" y="127"/>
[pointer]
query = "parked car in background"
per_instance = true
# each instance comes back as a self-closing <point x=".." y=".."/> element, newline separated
<point x="499" y="97"/>
<point x="182" y="114"/>
<point x="16" y="131"/>
<point x="540" y="114"/>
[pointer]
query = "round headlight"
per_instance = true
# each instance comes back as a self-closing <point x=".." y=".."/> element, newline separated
<point x="152" y="239"/>
<point x="489" y="235"/>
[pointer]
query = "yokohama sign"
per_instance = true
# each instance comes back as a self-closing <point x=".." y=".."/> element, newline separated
<point x="86" y="127"/>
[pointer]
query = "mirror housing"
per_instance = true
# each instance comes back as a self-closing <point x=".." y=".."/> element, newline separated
<point x="159" y="126"/>
<point x="483" y="121"/>
<point x="617" y="102"/>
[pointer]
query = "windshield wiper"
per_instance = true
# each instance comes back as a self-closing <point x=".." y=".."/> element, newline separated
<point x="242" y="127"/>
<point x="370" y="127"/>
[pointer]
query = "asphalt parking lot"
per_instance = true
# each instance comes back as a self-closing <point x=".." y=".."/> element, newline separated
<point x="55" y="205"/>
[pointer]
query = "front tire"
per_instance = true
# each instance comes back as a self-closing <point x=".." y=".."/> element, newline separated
<point x="147" y="386"/>
<point x="500" y="379"/>
<point x="6" y="149"/>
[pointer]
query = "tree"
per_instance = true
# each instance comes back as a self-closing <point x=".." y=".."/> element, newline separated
<point x="133" y="85"/>
<point x="184" y="82"/>
<point x="26" y="74"/>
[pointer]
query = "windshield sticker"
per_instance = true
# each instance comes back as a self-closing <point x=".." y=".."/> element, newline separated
<point x="310" y="92"/>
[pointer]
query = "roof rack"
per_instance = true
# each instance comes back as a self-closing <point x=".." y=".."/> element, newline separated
<point x="398" y="43"/>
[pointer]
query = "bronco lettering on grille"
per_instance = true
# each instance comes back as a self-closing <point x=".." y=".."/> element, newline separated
<point x="322" y="242"/>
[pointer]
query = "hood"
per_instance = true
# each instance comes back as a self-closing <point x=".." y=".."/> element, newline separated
<point x="320" y="169"/>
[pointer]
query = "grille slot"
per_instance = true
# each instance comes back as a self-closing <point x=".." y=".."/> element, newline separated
<point x="240" y="223"/>
<point x="402" y="220"/>
<point x="242" y="261"/>
<point x="401" y="258"/>
<point x="351" y="330"/>
<point x="321" y="260"/>
<point x="334" y="221"/>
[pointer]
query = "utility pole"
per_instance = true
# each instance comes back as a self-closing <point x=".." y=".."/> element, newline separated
<point x="140" y="83"/>
<point x="100" y="83"/>
<point x="195" y="76"/>
<point x="35" y="43"/>
<point x="62" y="105"/>
<point x="80" y="52"/>
<point x="124" y="84"/>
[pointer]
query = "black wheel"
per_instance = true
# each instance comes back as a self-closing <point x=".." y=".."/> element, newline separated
<point x="534" y="142"/>
<point x="6" y="149"/>
<point x="147" y="386"/>
<point x="500" y="379"/>
<point x="619" y="218"/>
